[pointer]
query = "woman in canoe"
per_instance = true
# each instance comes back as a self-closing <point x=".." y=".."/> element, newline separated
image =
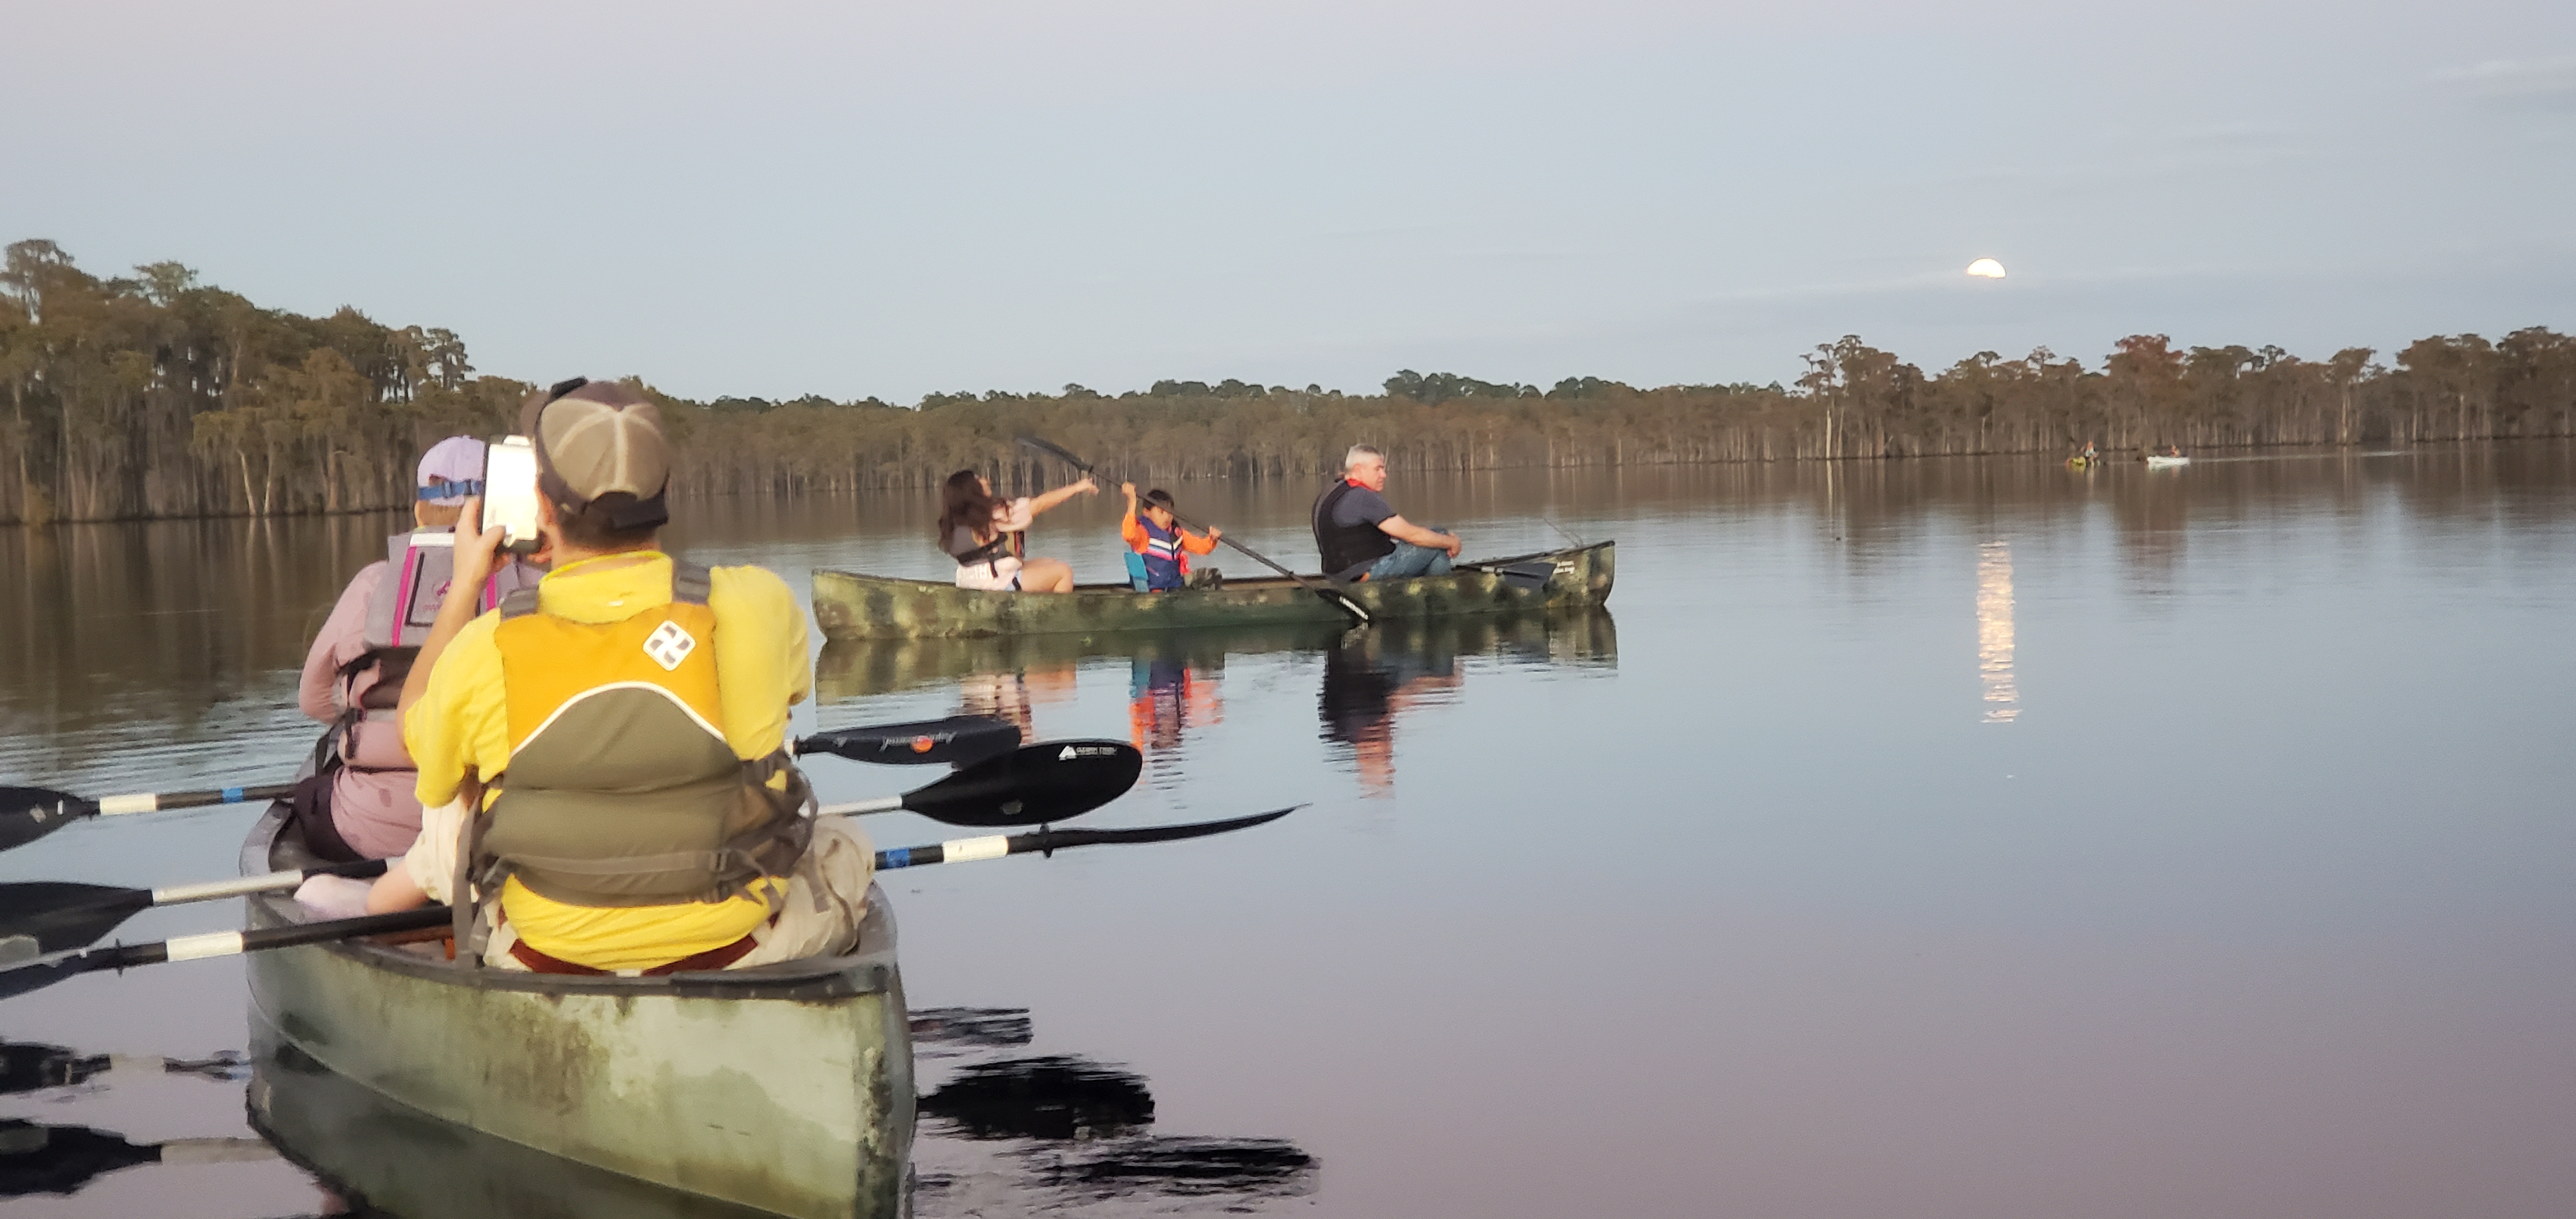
<point x="983" y="533"/>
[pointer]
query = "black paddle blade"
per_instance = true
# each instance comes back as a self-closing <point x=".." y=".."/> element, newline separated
<point x="26" y="978"/>
<point x="959" y="739"/>
<point x="30" y="813"/>
<point x="38" y="917"/>
<point x="1530" y="576"/>
<point x="1057" y="840"/>
<point x="1032" y="785"/>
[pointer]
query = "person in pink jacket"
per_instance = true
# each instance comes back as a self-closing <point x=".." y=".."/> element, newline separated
<point x="360" y="805"/>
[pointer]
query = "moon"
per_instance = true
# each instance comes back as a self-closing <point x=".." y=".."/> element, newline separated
<point x="1986" y="268"/>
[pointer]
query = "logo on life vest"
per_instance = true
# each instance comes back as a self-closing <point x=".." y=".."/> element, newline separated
<point x="668" y="645"/>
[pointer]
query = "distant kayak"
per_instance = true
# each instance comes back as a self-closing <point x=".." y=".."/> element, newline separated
<point x="2166" y="463"/>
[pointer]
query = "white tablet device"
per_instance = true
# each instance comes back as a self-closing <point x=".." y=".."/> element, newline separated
<point x="510" y="492"/>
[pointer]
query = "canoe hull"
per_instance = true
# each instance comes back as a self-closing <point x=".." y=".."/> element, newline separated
<point x="850" y="605"/>
<point x="785" y="1091"/>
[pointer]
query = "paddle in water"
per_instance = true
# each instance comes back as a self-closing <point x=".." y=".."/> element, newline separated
<point x="1049" y="841"/>
<point x="30" y="813"/>
<point x="42" y="916"/>
<point x="1319" y="588"/>
<point x="1033" y="785"/>
<point x="38" y="975"/>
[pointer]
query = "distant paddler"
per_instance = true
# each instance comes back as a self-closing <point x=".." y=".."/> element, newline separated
<point x="1157" y="538"/>
<point x="1361" y="537"/>
<point x="985" y="535"/>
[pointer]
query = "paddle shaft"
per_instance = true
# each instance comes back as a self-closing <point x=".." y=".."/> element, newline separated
<point x="235" y="943"/>
<point x="171" y="895"/>
<point x="995" y="846"/>
<point x="1309" y="583"/>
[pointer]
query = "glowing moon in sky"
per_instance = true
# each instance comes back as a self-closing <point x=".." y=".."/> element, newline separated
<point x="1986" y="268"/>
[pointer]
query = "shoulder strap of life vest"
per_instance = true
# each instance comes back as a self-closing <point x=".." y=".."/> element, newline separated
<point x="691" y="584"/>
<point x="1325" y="503"/>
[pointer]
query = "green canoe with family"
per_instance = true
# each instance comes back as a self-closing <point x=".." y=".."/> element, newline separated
<point x="1372" y="557"/>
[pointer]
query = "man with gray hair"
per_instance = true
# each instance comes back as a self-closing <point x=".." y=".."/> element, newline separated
<point x="1360" y="535"/>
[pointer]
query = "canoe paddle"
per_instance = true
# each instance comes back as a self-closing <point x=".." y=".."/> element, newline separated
<point x="1050" y="841"/>
<point x="1032" y="785"/>
<point x="35" y="976"/>
<point x="38" y="917"/>
<point x="30" y="813"/>
<point x="1346" y="605"/>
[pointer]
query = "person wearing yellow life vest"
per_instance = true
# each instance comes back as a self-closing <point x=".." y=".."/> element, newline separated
<point x="602" y="758"/>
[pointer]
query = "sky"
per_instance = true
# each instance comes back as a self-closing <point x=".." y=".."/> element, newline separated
<point x="775" y="199"/>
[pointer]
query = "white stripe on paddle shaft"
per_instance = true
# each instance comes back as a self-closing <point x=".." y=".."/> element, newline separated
<point x="145" y="802"/>
<point x="210" y="890"/>
<point x="968" y="850"/>
<point x="199" y="947"/>
<point x="882" y="804"/>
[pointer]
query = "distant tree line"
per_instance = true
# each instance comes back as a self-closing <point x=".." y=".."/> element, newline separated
<point x="153" y="395"/>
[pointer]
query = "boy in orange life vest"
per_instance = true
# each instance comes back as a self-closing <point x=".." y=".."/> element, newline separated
<point x="1156" y="534"/>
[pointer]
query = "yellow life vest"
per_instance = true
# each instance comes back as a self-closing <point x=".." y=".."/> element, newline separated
<point x="621" y="789"/>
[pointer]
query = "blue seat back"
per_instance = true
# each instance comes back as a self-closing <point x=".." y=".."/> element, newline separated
<point x="1136" y="570"/>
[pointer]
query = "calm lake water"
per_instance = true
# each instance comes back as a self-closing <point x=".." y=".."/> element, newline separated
<point x="1940" y="838"/>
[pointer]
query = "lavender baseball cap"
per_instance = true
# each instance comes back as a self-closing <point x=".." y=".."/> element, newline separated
<point x="451" y="470"/>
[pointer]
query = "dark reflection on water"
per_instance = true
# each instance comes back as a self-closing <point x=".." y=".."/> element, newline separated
<point x="1369" y="679"/>
<point x="41" y="1159"/>
<point x="1053" y="1097"/>
<point x="942" y="1032"/>
<point x="1063" y="1133"/>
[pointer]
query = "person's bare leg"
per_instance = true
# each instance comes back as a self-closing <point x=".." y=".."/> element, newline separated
<point x="1046" y="576"/>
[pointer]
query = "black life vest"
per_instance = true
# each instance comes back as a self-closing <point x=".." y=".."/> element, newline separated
<point x="1347" y="550"/>
<point x="968" y="552"/>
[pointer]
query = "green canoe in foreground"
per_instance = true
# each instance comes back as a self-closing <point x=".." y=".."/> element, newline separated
<point x="853" y="606"/>
<point x="785" y="1089"/>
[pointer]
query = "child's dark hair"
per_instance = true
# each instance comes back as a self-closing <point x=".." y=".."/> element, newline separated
<point x="1160" y="498"/>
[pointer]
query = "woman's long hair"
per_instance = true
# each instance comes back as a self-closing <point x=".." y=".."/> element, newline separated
<point x="964" y="502"/>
